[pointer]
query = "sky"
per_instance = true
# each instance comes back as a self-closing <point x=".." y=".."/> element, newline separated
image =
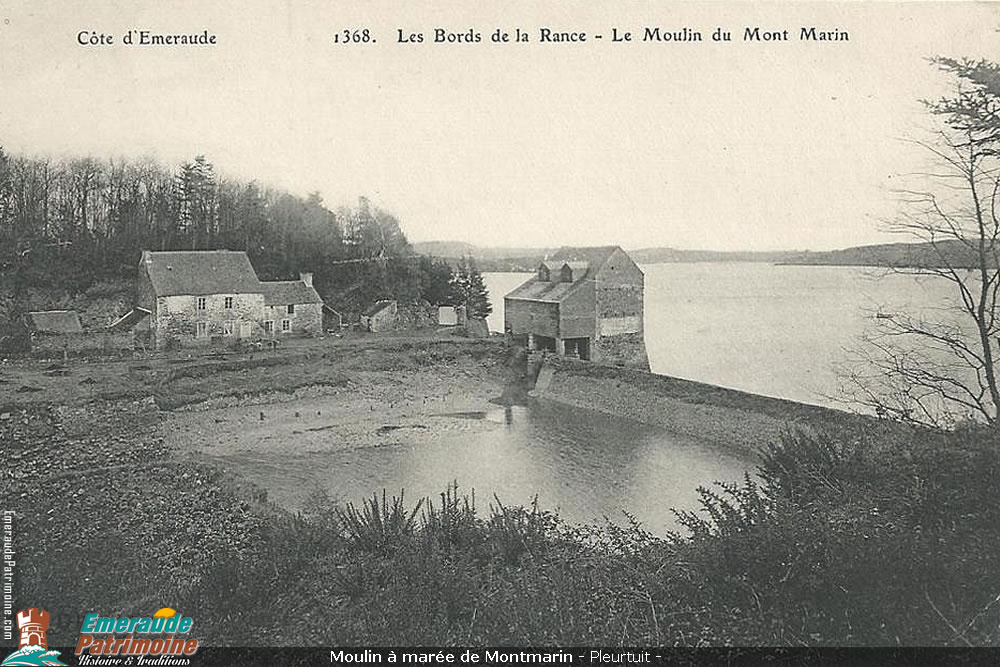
<point x="720" y="146"/>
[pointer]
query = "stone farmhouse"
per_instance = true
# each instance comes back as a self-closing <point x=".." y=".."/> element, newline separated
<point x="585" y="303"/>
<point x="196" y="297"/>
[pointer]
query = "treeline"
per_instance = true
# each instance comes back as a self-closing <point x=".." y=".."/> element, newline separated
<point x="70" y="223"/>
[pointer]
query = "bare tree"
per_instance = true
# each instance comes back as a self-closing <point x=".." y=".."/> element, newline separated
<point x="939" y="365"/>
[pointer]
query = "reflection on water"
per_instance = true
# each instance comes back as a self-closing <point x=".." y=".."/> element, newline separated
<point x="584" y="464"/>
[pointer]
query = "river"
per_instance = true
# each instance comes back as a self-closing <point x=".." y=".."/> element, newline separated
<point x="773" y="330"/>
<point x="782" y="331"/>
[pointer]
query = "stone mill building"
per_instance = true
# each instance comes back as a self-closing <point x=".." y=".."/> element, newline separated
<point x="585" y="303"/>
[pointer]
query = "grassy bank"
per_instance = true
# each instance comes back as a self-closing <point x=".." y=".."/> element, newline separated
<point x="848" y="539"/>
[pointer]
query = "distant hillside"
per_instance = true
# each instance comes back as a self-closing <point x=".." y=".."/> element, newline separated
<point x="947" y="253"/>
<point x="446" y="249"/>
<point x="665" y="255"/>
<point x="886" y="254"/>
<point x="457" y="249"/>
<point x="487" y="259"/>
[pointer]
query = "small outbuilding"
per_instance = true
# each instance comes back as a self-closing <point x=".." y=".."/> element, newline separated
<point x="380" y="316"/>
<point x="60" y="332"/>
<point x="53" y="322"/>
<point x="449" y="316"/>
<point x="333" y="319"/>
<point x="129" y="320"/>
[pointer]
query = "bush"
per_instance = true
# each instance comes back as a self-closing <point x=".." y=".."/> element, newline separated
<point x="852" y="542"/>
<point x="379" y="527"/>
<point x="842" y="540"/>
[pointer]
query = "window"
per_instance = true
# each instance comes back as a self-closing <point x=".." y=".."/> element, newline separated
<point x="201" y="303"/>
<point x="291" y="309"/>
<point x="201" y="329"/>
<point x="269" y="326"/>
<point x="286" y="326"/>
<point x="227" y="328"/>
<point x="229" y="303"/>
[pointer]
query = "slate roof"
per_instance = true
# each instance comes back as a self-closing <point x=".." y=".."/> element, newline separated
<point x="201" y="272"/>
<point x="576" y="265"/>
<point x="596" y="256"/>
<point x="54" y="321"/>
<point x="542" y="290"/>
<point x="538" y="290"/>
<point x="378" y="307"/>
<point x="284" y="292"/>
<point x="129" y="319"/>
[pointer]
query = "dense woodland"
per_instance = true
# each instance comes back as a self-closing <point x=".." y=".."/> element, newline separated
<point x="69" y="224"/>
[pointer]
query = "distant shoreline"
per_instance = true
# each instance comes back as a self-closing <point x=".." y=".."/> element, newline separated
<point x="884" y="256"/>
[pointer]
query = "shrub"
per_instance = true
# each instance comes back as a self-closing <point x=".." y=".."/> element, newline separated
<point x="379" y="527"/>
<point x="732" y="509"/>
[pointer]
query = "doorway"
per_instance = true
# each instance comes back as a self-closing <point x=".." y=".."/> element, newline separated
<point x="578" y="347"/>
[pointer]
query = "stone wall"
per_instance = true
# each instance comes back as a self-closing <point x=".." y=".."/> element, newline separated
<point x="145" y="297"/>
<point x="619" y="300"/>
<point x="385" y="319"/>
<point x="177" y="317"/>
<point x="577" y="318"/>
<point x="416" y="315"/>
<point x="522" y="317"/>
<point x="86" y="343"/>
<point x="307" y="320"/>
<point x="737" y="420"/>
<point x="627" y="350"/>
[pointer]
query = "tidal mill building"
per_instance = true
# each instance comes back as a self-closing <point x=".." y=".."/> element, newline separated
<point x="585" y="303"/>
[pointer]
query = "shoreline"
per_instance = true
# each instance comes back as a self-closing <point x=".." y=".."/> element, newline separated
<point x="729" y="417"/>
<point x="402" y="377"/>
<point x="105" y="485"/>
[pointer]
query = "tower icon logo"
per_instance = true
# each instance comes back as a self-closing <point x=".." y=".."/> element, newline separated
<point x="32" y="649"/>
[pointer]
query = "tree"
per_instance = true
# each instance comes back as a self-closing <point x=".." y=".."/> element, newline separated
<point x="91" y="218"/>
<point x="469" y="289"/>
<point x="436" y="278"/>
<point x="939" y="366"/>
<point x="198" y="213"/>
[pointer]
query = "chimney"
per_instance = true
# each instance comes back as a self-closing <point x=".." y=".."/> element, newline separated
<point x="307" y="278"/>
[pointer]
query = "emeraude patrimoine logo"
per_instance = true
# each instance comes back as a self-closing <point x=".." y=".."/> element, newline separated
<point x="33" y="648"/>
<point x="112" y="636"/>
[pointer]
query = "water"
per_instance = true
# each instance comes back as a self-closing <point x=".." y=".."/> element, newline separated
<point x="780" y="331"/>
<point x="585" y="465"/>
